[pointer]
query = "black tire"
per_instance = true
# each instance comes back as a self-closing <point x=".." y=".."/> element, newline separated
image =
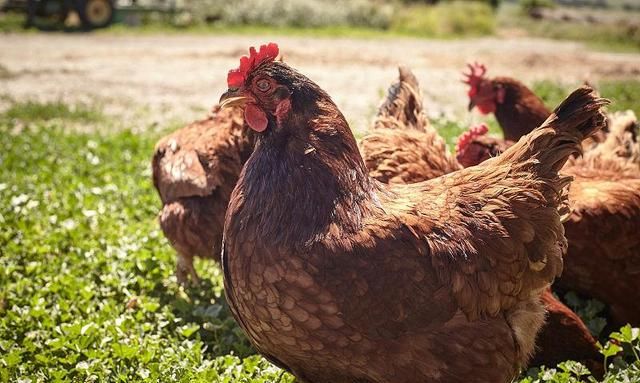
<point x="96" y="13"/>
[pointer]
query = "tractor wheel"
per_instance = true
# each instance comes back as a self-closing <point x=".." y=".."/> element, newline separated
<point x="96" y="13"/>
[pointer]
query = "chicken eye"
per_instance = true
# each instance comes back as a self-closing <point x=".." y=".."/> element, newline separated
<point x="263" y="85"/>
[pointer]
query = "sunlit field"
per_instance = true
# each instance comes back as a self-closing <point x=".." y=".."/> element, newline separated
<point x="88" y="291"/>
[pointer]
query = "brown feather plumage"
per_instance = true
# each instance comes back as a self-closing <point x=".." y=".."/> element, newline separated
<point x="605" y="219"/>
<point x="403" y="107"/>
<point x="338" y="278"/>
<point x="403" y="146"/>
<point x="603" y="260"/>
<point x="194" y="170"/>
<point x="521" y="111"/>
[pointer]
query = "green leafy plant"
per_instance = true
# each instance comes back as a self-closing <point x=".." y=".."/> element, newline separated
<point x="611" y="31"/>
<point x="591" y="311"/>
<point x="87" y="291"/>
<point x="295" y="13"/>
<point x="623" y="350"/>
<point x="624" y="94"/>
<point x="621" y="356"/>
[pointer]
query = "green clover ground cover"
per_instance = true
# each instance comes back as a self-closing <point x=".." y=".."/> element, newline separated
<point x="86" y="285"/>
<point x="87" y="291"/>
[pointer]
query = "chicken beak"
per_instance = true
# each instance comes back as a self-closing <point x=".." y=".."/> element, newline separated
<point x="231" y="98"/>
<point x="472" y="105"/>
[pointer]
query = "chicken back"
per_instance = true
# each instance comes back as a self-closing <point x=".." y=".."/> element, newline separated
<point x="603" y="260"/>
<point x="338" y="278"/>
<point x="605" y="219"/>
<point x="403" y="147"/>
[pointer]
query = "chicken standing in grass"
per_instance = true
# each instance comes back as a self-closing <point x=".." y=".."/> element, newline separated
<point x="338" y="278"/>
<point x="196" y="167"/>
<point x="194" y="171"/>
<point x="402" y="148"/>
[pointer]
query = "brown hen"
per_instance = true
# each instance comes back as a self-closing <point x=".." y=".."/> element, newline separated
<point x="603" y="259"/>
<point x="475" y="146"/>
<point x="195" y="168"/>
<point x="194" y="171"/>
<point x="517" y="109"/>
<point x="338" y="278"/>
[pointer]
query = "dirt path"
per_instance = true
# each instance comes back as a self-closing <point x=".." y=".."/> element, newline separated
<point x="177" y="77"/>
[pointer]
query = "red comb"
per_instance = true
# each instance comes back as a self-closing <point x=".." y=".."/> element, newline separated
<point x="475" y="75"/>
<point x="468" y="136"/>
<point x="267" y="52"/>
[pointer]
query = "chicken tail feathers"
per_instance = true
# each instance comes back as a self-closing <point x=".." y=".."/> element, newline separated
<point x="580" y="111"/>
<point x="548" y="147"/>
<point x="402" y="108"/>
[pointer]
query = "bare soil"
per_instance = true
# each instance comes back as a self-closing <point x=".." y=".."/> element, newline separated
<point x="148" y="81"/>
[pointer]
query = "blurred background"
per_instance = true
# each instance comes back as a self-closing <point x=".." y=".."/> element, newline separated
<point x="87" y="87"/>
<point x="150" y="62"/>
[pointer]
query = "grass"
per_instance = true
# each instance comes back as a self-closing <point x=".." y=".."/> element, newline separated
<point x="34" y="111"/>
<point x="11" y="22"/>
<point x="252" y="30"/>
<point x="604" y="37"/>
<point x="86" y="278"/>
<point x="624" y="94"/>
<point x="622" y="36"/>
<point x="445" y="20"/>
<point x="87" y="291"/>
<point x="449" y="20"/>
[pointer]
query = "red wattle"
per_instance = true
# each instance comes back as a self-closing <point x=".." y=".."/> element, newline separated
<point x="255" y="117"/>
<point x="486" y="108"/>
